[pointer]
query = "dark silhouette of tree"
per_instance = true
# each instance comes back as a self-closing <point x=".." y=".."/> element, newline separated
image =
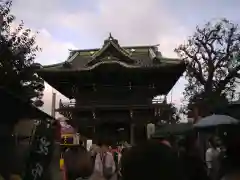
<point x="206" y="104"/>
<point x="169" y="114"/>
<point x="17" y="54"/>
<point x="212" y="57"/>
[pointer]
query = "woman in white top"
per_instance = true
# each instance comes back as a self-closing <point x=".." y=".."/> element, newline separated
<point x="212" y="159"/>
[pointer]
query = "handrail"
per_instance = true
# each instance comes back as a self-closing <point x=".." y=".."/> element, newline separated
<point x="97" y="104"/>
<point x="125" y="86"/>
<point x="68" y="104"/>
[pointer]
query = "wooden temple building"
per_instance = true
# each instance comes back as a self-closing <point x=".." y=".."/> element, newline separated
<point x="112" y="88"/>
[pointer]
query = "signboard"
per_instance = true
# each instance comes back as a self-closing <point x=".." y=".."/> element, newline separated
<point x="67" y="140"/>
<point x="41" y="151"/>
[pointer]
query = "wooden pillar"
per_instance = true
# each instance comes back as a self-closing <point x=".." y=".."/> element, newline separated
<point x="132" y="126"/>
<point x="53" y="113"/>
<point x="132" y="133"/>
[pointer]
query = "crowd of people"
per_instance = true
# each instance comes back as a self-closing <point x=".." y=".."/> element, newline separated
<point x="163" y="159"/>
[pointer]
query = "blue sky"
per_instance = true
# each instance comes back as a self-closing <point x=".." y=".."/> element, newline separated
<point x="76" y="24"/>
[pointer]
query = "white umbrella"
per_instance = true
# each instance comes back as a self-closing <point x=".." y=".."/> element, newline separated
<point x="215" y="120"/>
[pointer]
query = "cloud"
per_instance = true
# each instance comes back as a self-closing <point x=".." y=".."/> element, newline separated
<point x="40" y="13"/>
<point x="53" y="50"/>
<point x="134" y="22"/>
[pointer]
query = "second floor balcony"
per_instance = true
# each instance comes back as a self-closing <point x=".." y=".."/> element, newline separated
<point x="91" y="104"/>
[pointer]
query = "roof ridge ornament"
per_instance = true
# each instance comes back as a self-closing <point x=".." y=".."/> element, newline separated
<point x="110" y="37"/>
<point x="110" y="41"/>
<point x="157" y="51"/>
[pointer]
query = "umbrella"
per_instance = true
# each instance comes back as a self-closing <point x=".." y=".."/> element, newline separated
<point x="215" y="120"/>
<point x="173" y="129"/>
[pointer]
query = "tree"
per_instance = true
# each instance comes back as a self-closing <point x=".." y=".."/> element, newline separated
<point x="212" y="57"/>
<point x="169" y="115"/>
<point x="17" y="54"/>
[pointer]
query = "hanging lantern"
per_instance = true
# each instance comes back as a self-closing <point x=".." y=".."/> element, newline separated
<point x="150" y="130"/>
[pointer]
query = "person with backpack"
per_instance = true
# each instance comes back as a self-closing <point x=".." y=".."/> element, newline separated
<point x="104" y="164"/>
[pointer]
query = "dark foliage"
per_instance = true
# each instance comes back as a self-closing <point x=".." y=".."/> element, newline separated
<point x="212" y="55"/>
<point x="17" y="54"/>
<point x="169" y="114"/>
<point x="206" y="104"/>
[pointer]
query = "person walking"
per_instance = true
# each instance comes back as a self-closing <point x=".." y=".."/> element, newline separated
<point x="212" y="159"/>
<point x="104" y="164"/>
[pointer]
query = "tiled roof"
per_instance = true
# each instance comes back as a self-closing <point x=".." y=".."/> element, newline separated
<point x="112" y="52"/>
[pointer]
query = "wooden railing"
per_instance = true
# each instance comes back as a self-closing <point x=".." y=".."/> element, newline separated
<point x="66" y="104"/>
<point x="98" y="104"/>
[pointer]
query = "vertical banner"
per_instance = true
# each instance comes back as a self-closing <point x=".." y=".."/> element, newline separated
<point x="40" y="152"/>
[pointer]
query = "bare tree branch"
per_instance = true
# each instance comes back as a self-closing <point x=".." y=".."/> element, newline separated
<point x="212" y="54"/>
